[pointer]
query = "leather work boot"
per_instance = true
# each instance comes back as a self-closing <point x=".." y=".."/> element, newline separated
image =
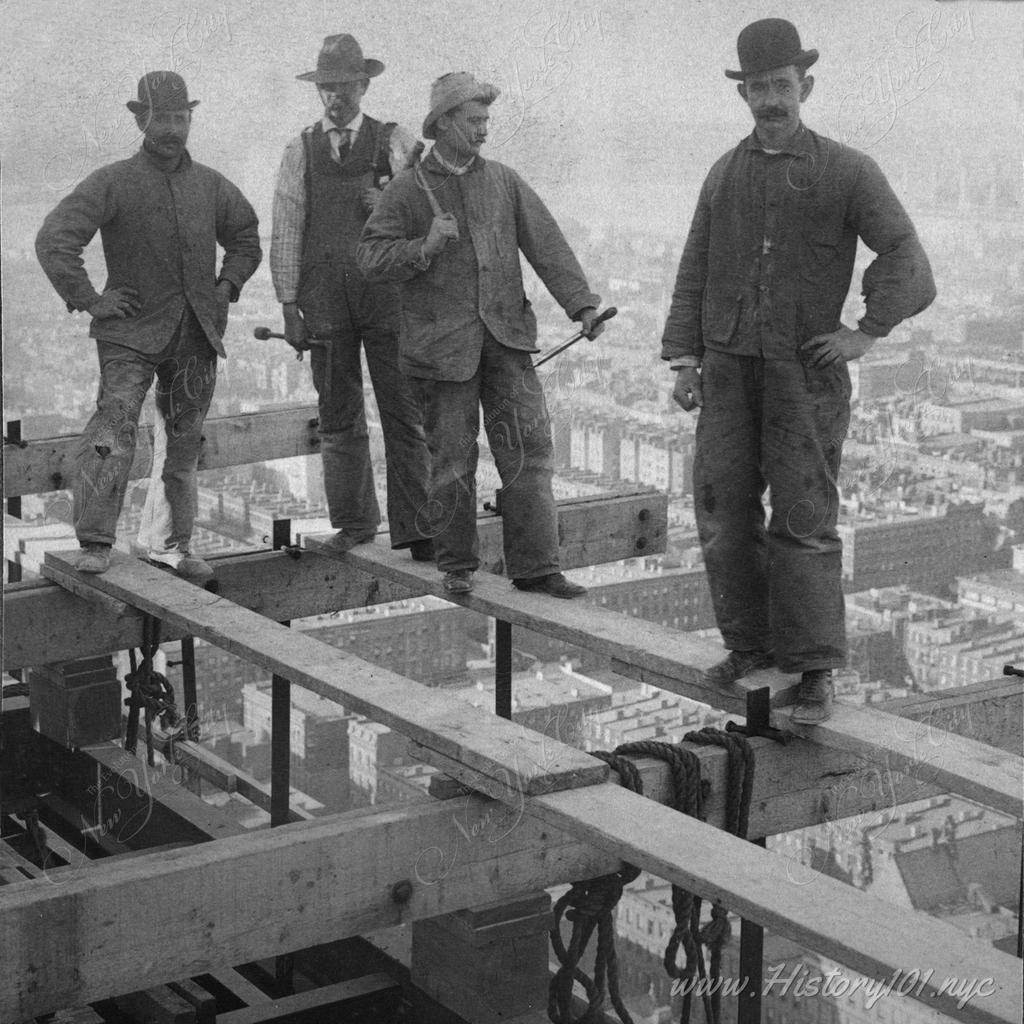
<point x="346" y="540"/>
<point x="814" y="698"/>
<point x="189" y="567"/>
<point x="554" y="584"/>
<point x="458" y="581"/>
<point x="737" y="664"/>
<point x="94" y="558"/>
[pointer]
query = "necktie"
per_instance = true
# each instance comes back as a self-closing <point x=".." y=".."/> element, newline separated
<point x="344" y="144"/>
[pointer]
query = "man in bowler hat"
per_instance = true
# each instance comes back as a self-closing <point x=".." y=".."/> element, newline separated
<point x="329" y="181"/>
<point x="756" y="342"/>
<point x="161" y="314"/>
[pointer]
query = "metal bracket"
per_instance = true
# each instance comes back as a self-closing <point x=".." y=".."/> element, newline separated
<point x="758" y="721"/>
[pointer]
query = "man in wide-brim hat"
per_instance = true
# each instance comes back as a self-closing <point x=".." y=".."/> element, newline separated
<point x="755" y="338"/>
<point x="468" y="331"/>
<point x="162" y="314"/>
<point x="330" y="178"/>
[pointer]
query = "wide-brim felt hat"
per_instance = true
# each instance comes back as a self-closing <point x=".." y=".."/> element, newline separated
<point x="161" y="90"/>
<point x="451" y="91"/>
<point x="341" y="60"/>
<point x="770" y="43"/>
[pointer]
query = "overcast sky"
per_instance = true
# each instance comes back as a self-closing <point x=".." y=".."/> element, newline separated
<point x="610" y="109"/>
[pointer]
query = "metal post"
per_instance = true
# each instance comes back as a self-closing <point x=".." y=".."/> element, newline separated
<point x="280" y="758"/>
<point x="189" y="695"/>
<point x="14" y="504"/>
<point x="280" y="717"/>
<point x="748" y="1010"/>
<point x="503" y="668"/>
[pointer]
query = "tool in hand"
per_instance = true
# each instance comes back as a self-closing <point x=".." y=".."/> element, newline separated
<point x="599" y="319"/>
<point x="265" y="333"/>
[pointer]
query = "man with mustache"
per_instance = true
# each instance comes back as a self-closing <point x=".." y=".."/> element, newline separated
<point x="329" y="181"/>
<point x="755" y="338"/>
<point x="449" y="233"/>
<point x="162" y="312"/>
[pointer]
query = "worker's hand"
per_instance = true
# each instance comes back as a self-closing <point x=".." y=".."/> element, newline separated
<point x="687" y="393"/>
<point x="842" y="345"/>
<point x="222" y="296"/>
<point x="371" y="196"/>
<point x="442" y="228"/>
<point x="295" y="332"/>
<point x="587" y="317"/>
<point x="116" y="303"/>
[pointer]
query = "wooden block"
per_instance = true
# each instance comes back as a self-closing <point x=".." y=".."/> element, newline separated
<point x="157" y="1006"/>
<point x="74" y="705"/>
<point x="204" y="1004"/>
<point x="80" y="1015"/>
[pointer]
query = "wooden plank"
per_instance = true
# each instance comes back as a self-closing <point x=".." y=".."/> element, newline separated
<point x="437" y="719"/>
<point x="48" y="464"/>
<point x="240" y="987"/>
<point x="991" y="712"/>
<point x="640" y="649"/>
<point x="307" y="1005"/>
<point x="949" y="762"/>
<point x="300" y="885"/>
<point x="870" y="935"/>
<point x="203" y="1004"/>
<point x="45" y="623"/>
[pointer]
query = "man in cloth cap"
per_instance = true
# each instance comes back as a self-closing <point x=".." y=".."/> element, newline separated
<point x="468" y="331"/>
<point x="755" y="338"/>
<point x="162" y="312"/>
<point x="329" y="180"/>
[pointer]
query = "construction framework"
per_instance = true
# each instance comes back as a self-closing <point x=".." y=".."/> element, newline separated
<point x="529" y="812"/>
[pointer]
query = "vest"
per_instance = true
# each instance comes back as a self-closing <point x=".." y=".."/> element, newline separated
<point x="332" y="292"/>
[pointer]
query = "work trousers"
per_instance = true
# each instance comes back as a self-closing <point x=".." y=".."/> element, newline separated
<point x="777" y="425"/>
<point x="186" y="373"/>
<point x="518" y="429"/>
<point x="344" y="435"/>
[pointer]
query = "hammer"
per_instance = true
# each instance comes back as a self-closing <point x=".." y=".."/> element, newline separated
<point x="600" y="319"/>
<point x="265" y="333"/>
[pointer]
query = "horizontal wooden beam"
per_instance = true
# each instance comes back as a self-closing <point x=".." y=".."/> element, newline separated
<point x="280" y="890"/>
<point x="45" y="624"/>
<point x="638" y="648"/>
<point x="950" y="762"/>
<point x="48" y="464"/>
<point x="432" y="717"/>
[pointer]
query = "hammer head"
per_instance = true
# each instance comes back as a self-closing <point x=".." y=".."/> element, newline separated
<point x="262" y="333"/>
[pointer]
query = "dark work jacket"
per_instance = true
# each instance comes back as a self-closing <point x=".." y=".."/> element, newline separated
<point x="332" y="291"/>
<point x="769" y="258"/>
<point x="475" y="285"/>
<point x="160" y="234"/>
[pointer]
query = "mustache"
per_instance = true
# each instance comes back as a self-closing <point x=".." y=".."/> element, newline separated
<point x="772" y="112"/>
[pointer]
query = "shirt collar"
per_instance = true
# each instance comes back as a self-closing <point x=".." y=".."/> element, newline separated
<point x="451" y="168"/>
<point x="800" y="142"/>
<point x="353" y="126"/>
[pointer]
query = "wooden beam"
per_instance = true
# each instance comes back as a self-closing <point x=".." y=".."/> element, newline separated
<point x="287" y="1009"/>
<point x="48" y="464"/>
<point x="991" y="712"/>
<point x="274" y="891"/>
<point x="638" y="648"/>
<point x="953" y="763"/>
<point x="46" y="624"/>
<point x="432" y="717"/>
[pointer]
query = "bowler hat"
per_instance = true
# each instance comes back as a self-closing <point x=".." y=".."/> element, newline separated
<point x="451" y="91"/>
<point x="770" y="43"/>
<point x="341" y="60"/>
<point x="161" y="90"/>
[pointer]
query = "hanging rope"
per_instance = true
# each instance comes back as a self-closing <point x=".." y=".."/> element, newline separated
<point x="148" y="691"/>
<point x="592" y="905"/>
